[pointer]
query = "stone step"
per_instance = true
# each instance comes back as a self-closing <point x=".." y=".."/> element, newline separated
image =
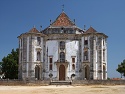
<point x="60" y="83"/>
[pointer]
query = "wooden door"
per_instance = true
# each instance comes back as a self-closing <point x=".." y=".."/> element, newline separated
<point x="87" y="72"/>
<point x="62" y="72"/>
<point x="37" y="72"/>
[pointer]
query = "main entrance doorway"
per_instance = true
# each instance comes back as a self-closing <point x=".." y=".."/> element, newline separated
<point x="87" y="72"/>
<point x="104" y="72"/>
<point x="37" y="72"/>
<point x="62" y="72"/>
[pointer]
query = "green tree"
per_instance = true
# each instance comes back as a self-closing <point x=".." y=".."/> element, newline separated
<point x="0" y="68"/>
<point x="10" y="65"/>
<point x="121" y="68"/>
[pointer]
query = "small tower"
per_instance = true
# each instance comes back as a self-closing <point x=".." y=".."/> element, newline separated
<point x="30" y="55"/>
<point x="94" y="55"/>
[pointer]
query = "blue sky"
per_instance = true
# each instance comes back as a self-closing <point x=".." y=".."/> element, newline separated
<point x="106" y="16"/>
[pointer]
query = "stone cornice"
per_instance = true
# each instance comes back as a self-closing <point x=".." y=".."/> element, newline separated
<point x="97" y="34"/>
<point x="34" y="34"/>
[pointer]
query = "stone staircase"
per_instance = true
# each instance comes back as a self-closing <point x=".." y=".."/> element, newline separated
<point x="61" y="82"/>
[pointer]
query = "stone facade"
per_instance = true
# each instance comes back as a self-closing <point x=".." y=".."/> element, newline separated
<point x="62" y="51"/>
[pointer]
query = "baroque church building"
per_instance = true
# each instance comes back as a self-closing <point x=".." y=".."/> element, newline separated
<point x="62" y="51"/>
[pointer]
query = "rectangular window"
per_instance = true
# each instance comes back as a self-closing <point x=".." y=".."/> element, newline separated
<point x="73" y="66"/>
<point x="38" y="40"/>
<point x="50" y="63"/>
<point x="86" y="42"/>
<point x="73" y="60"/>
<point x="50" y="60"/>
<point x="50" y="67"/>
<point x="62" y="45"/>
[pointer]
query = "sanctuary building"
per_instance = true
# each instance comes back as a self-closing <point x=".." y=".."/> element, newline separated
<point x="62" y="51"/>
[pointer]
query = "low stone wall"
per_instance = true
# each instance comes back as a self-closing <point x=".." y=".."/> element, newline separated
<point x="23" y="83"/>
<point x="98" y="82"/>
<point x="74" y="82"/>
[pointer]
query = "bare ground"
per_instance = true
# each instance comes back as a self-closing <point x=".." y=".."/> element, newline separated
<point x="94" y="89"/>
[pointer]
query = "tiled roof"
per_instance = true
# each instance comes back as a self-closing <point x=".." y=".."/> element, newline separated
<point x="33" y="30"/>
<point x="91" y="30"/>
<point x="62" y="20"/>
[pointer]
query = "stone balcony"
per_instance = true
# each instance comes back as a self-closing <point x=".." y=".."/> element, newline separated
<point x="85" y="61"/>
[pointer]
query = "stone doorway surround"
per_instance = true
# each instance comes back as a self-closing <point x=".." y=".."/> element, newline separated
<point x="86" y="70"/>
<point x="61" y="67"/>
<point x="38" y="70"/>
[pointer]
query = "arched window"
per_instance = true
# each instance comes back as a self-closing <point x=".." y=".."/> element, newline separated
<point x="62" y="45"/>
<point x="103" y="55"/>
<point x="86" y="55"/>
<point x="38" y="56"/>
<point x="73" y="66"/>
<point x="62" y="57"/>
<point x="38" y="41"/>
<point x="20" y="56"/>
